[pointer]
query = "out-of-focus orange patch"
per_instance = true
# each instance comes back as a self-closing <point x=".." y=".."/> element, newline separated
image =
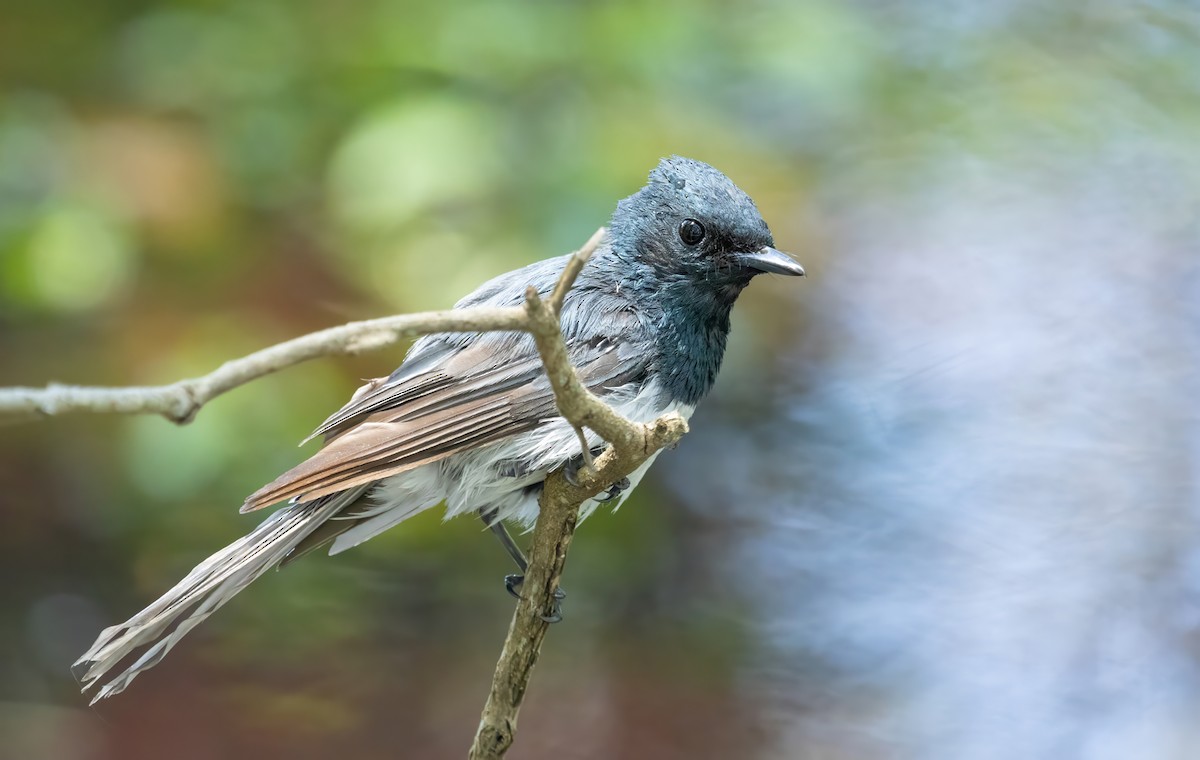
<point x="161" y="174"/>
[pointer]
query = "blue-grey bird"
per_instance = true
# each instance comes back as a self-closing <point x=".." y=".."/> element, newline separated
<point x="470" y="419"/>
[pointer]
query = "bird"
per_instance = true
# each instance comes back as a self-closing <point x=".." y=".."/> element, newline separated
<point x="469" y="419"/>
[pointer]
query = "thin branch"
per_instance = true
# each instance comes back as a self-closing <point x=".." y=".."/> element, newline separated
<point x="631" y="445"/>
<point x="565" y="281"/>
<point x="180" y="401"/>
<point x="575" y="402"/>
<point x="558" y="516"/>
<point x="574" y="266"/>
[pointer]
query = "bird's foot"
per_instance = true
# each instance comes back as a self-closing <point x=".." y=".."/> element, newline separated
<point x="513" y="583"/>
<point x="575" y="464"/>
<point x="615" y="490"/>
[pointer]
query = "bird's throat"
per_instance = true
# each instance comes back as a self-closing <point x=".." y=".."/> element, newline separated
<point x="691" y="341"/>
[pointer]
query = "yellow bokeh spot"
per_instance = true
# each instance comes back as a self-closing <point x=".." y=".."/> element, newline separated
<point x="409" y="157"/>
<point x="78" y="260"/>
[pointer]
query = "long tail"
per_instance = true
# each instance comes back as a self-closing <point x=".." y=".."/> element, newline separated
<point x="212" y="583"/>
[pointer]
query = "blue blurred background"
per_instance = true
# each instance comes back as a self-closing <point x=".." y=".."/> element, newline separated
<point x="942" y="503"/>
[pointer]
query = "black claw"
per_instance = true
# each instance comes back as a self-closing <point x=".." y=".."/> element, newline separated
<point x="513" y="583"/>
<point x="555" y="615"/>
<point x="614" y="490"/>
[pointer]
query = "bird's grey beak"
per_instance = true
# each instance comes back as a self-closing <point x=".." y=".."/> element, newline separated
<point x="768" y="259"/>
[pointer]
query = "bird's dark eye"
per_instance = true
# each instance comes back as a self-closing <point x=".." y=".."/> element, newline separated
<point x="691" y="231"/>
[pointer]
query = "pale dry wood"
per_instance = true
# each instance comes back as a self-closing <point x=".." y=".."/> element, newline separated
<point x="552" y="536"/>
<point x="180" y="401"/>
<point x="574" y="266"/>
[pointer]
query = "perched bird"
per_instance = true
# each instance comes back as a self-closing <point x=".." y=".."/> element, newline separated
<point x="470" y="419"/>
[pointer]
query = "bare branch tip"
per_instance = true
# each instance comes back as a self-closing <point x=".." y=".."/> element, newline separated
<point x="571" y="271"/>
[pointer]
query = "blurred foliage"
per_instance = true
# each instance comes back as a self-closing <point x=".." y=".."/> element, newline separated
<point x="186" y="181"/>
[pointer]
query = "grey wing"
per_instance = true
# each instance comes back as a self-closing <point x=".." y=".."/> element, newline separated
<point x="430" y="362"/>
<point x="451" y="400"/>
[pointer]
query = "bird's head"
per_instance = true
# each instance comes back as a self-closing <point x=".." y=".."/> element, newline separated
<point x="690" y="222"/>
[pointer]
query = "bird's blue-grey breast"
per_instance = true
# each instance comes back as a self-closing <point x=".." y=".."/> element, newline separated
<point x="470" y="420"/>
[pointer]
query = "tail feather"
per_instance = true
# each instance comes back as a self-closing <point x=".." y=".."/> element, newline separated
<point x="372" y="526"/>
<point x="213" y="582"/>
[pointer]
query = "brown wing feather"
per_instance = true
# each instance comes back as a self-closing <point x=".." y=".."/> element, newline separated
<point x="433" y="384"/>
<point x="438" y="415"/>
<point x="380" y="448"/>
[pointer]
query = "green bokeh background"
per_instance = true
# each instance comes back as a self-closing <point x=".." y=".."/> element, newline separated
<point x="183" y="182"/>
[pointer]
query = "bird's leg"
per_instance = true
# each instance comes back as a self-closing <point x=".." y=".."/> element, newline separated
<point x="512" y="583"/>
<point x="510" y="546"/>
<point x="576" y="463"/>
